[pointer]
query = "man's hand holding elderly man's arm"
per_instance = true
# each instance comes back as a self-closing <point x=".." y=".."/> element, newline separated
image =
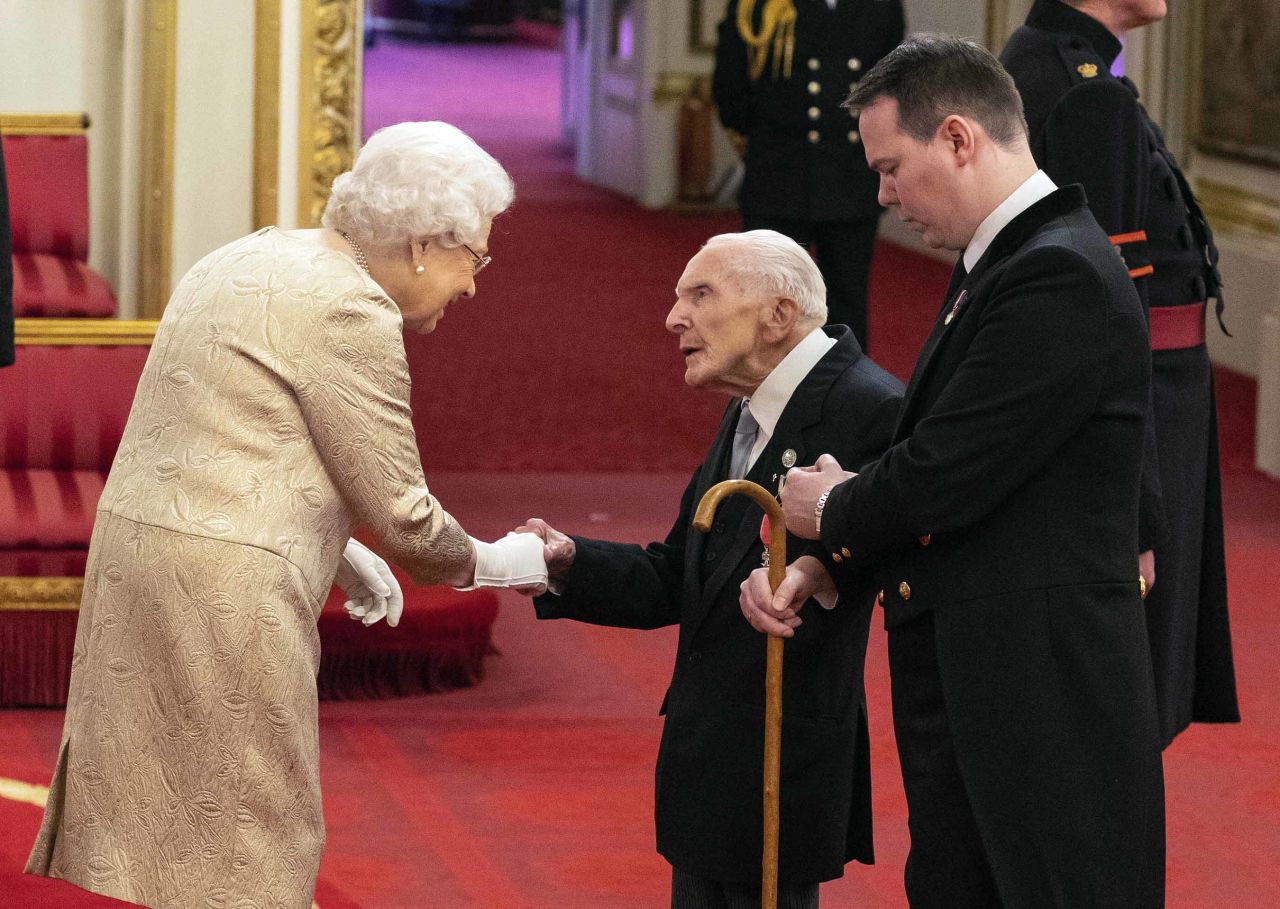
<point x="804" y="488"/>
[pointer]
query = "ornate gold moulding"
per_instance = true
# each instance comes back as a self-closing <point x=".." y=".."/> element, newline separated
<point x="101" y="332"/>
<point x="42" y="124"/>
<point x="44" y="594"/>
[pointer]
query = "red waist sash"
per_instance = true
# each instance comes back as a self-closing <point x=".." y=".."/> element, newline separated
<point x="1177" y="327"/>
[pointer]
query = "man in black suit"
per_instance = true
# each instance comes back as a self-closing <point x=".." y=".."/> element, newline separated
<point x="1003" y="521"/>
<point x="1088" y="127"/>
<point x="782" y="69"/>
<point x="749" y="314"/>
<point x="6" y="273"/>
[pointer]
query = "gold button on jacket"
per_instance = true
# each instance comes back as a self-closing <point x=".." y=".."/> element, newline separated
<point x="904" y="590"/>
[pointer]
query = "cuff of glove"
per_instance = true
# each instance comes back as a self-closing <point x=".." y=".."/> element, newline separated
<point x="513" y="561"/>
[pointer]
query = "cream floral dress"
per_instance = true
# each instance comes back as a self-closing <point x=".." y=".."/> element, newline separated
<point x="273" y="414"/>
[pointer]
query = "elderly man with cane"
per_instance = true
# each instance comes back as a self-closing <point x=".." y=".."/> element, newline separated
<point x="749" y="313"/>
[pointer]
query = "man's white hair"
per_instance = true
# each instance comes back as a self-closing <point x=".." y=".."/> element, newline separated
<point x="771" y="264"/>
<point x="414" y="181"/>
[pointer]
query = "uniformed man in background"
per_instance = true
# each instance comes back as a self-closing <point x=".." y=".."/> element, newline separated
<point x="783" y="67"/>
<point x="1088" y="127"/>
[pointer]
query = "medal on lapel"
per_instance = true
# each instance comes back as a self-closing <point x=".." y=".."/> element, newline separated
<point x="955" y="306"/>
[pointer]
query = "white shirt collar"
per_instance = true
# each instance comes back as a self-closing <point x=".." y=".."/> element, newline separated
<point x="771" y="398"/>
<point x="1033" y="189"/>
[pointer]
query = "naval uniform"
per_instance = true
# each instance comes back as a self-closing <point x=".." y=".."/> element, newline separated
<point x="1088" y="127"/>
<point x="806" y="173"/>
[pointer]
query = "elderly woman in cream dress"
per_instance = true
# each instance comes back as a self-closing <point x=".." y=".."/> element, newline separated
<point x="272" y="416"/>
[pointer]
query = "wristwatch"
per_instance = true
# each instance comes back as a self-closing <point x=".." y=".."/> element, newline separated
<point x="817" y="510"/>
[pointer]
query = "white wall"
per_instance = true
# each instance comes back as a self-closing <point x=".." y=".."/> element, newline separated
<point x="213" y="129"/>
<point x="61" y="56"/>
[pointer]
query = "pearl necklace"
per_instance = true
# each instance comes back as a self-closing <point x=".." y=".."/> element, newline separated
<point x="355" y="247"/>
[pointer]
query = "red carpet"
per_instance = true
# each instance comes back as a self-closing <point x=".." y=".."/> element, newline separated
<point x="535" y="789"/>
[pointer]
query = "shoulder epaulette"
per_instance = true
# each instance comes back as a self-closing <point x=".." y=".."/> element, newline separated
<point x="1082" y="62"/>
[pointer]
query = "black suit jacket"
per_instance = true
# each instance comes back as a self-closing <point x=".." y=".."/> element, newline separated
<point x="804" y="157"/>
<point x="708" y="779"/>
<point x="6" y="273"/>
<point x="1008" y="506"/>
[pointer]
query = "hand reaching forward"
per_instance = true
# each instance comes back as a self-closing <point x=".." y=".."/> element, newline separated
<point x="558" y="549"/>
<point x="803" y="487"/>
<point x="775" y="612"/>
<point x="372" y="590"/>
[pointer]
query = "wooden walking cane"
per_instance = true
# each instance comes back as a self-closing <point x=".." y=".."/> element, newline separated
<point x="777" y="561"/>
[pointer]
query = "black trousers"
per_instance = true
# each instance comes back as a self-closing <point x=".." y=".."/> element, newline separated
<point x="843" y="251"/>
<point x="689" y="891"/>
<point x="947" y="867"/>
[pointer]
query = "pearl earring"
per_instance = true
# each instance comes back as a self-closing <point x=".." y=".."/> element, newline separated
<point x="420" y="269"/>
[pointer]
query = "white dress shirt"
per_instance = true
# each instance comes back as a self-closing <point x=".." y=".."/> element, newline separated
<point x="1033" y="189"/>
<point x="771" y="398"/>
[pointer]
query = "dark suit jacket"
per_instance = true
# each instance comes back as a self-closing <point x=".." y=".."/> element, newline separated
<point x="708" y="779"/>
<point x="1008" y="506"/>
<point x="1088" y="127"/>
<point x="6" y="273"/>
<point x="804" y="156"/>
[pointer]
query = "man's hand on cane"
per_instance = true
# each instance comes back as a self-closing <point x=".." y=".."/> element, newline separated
<point x="776" y="613"/>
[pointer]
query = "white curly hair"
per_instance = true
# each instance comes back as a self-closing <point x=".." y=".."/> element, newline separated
<point x="774" y="265"/>
<point x="414" y="181"/>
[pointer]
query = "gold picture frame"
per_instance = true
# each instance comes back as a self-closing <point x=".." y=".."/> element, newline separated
<point x="329" y="102"/>
<point x="1234" y="100"/>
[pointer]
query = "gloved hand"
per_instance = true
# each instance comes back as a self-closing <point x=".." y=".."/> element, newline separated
<point x="372" y="590"/>
<point x="513" y="561"/>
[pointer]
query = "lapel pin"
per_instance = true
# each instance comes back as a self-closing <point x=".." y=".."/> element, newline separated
<point x="789" y="458"/>
<point x="955" y="307"/>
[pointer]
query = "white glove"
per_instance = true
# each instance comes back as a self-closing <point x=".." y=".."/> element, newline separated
<point x="513" y="561"/>
<point x="372" y="590"/>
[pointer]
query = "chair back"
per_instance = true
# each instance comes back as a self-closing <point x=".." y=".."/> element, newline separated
<point x="48" y="179"/>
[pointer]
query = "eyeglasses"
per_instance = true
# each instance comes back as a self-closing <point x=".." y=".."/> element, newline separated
<point x="477" y="262"/>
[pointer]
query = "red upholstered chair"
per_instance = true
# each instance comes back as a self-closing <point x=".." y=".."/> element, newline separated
<point x="63" y="409"/>
<point x="440" y="644"/>
<point x="48" y="177"/>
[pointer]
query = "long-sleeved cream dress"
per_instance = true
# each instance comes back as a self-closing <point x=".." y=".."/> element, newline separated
<point x="273" y="414"/>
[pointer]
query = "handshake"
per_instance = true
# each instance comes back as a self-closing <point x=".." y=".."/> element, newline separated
<point x="525" y="560"/>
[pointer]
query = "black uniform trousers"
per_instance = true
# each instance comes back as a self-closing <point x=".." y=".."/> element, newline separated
<point x="947" y="867"/>
<point x="843" y="251"/>
<point x="689" y="891"/>
<point x="1190" y="648"/>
